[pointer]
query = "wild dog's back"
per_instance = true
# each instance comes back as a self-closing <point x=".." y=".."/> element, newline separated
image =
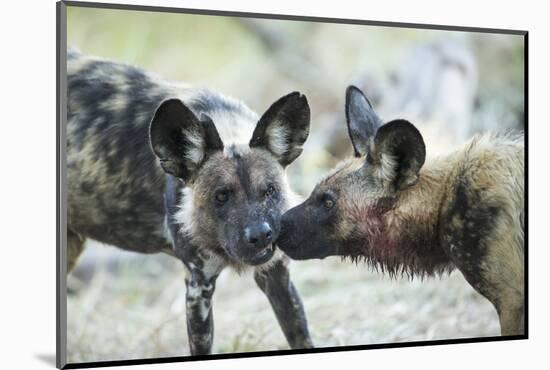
<point x="112" y="176"/>
<point x="115" y="185"/>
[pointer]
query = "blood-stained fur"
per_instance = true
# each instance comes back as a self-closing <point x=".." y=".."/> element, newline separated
<point x="155" y="166"/>
<point x="404" y="216"/>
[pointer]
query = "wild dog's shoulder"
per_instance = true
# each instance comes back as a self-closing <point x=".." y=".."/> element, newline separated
<point x="485" y="190"/>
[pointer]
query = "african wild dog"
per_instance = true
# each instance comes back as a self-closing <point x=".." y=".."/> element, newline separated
<point x="160" y="167"/>
<point x="465" y="210"/>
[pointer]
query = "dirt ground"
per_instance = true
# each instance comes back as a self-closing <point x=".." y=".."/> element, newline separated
<point x="129" y="306"/>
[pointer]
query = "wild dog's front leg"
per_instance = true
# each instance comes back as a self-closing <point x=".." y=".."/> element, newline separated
<point x="276" y="284"/>
<point x="511" y="316"/>
<point x="202" y="272"/>
<point x="496" y="272"/>
<point x="486" y="244"/>
<point x="200" y="323"/>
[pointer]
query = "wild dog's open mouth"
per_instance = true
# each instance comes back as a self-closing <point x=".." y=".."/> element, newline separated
<point x="263" y="255"/>
<point x="265" y="251"/>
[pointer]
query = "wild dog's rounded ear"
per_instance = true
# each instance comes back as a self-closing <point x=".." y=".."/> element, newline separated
<point x="180" y="140"/>
<point x="284" y="128"/>
<point x="398" y="153"/>
<point x="361" y="119"/>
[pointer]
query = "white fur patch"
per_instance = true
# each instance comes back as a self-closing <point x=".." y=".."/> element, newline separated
<point x="117" y="104"/>
<point x="387" y="167"/>
<point x="195" y="154"/>
<point x="166" y="231"/>
<point x="277" y="136"/>
<point x="184" y="216"/>
<point x="232" y="128"/>
<point x="229" y="151"/>
<point x="195" y="299"/>
<point x="213" y="265"/>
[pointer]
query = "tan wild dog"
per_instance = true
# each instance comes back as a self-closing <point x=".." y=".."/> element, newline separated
<point x="385" y="205"/>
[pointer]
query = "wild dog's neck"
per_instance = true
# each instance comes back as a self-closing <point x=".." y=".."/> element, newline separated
<point x="402" y="232"/>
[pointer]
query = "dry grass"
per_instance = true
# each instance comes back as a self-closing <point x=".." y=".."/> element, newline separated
<point x="135" y="308"/>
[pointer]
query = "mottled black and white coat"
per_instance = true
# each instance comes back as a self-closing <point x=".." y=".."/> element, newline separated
<point x="154" y="166"/>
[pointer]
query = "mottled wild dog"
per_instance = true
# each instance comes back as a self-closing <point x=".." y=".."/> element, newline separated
<point x="160" y="167"/>
<point x="465" y="210"/>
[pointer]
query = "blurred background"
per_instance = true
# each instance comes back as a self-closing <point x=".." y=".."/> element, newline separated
<point x="452" y="85"/>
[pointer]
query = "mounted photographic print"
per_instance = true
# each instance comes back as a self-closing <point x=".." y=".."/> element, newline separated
<point x="235" y="184"/>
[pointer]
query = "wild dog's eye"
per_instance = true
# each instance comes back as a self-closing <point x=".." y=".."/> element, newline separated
<point x="328" y="202"/>
<point x="222" y="196"/>
<point x="270" y="191"/>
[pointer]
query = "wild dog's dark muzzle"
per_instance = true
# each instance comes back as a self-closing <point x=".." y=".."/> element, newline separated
<point x="259" y="235"/>
<point x="289" y="239"/>
<point x="304" y="235"/>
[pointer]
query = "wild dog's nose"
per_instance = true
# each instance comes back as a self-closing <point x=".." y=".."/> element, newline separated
<point x="259" y="234"/>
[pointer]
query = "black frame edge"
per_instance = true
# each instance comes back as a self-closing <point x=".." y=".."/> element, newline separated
<point x="526" y="189"/>
<point x="223" y="356"/>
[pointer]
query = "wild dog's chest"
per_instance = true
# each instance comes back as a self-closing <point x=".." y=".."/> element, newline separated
<point x="399" y="244"/>
<point x="413" y="243"/>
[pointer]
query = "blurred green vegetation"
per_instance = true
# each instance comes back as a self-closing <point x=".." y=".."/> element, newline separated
<point x="258" y="61"/>
<point x="221" y="52"/>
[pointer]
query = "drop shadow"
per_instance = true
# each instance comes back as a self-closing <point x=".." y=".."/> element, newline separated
<point x="48" y="358"/>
